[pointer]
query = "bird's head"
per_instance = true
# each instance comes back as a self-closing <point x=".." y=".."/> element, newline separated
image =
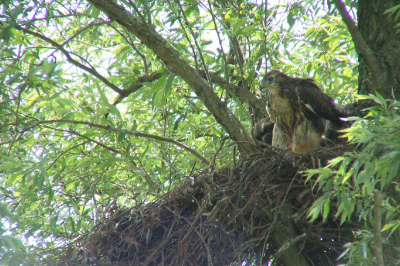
<point x="272" y="79"/>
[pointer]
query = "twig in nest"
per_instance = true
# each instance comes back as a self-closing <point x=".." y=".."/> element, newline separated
<point x="218" y="206"/>
<point x="289" y="243"/>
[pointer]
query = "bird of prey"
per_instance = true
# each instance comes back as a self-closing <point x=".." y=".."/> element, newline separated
<point x="298" y="108"/>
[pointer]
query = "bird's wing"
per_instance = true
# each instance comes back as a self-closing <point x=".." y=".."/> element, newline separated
<point x="316" y="101"/>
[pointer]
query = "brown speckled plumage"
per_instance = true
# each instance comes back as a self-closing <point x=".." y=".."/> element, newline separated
<point x="298" y="108"/>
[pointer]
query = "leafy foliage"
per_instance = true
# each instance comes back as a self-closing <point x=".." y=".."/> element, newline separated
<point x="74" y="82"/>
<point x="354" y="180"/>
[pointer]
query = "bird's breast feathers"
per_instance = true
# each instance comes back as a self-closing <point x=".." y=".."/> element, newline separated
<point x="280" y="108"/>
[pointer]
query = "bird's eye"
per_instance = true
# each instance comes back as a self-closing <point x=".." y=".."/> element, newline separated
<point x="270" y="79"/>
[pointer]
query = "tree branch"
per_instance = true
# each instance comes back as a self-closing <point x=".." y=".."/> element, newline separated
<point x="128" y="40"/>
<point x="137" y="85"/>
<point x="124" y="131"/>
<point x="242" y="93"/>
<point x="83" y="29"/>
<point x="91" y="71"/>
<point x="235" y="45"/>
<point x="362" y="47"/>
<point x="221" y="46"/>
<point x="377" y="228"/>
<point x="171" y="58"/>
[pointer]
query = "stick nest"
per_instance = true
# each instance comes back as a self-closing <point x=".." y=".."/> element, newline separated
<point x="223" y="217"/>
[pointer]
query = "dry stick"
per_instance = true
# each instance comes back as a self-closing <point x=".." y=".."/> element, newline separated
<point x="124" y="131"/>
<point x="192" y="228"/>
<point x="377" y="228"/>
<point x="209" y="258"/>
<point x="361" y="46"/>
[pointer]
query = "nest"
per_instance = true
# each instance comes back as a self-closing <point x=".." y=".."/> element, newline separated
<point x="246" y="215"/>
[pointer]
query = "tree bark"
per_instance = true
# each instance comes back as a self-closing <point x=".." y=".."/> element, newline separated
<point x="380" y="33"/>
<point x="285" y="234"/>
<point x="173" y="60"/>
<point x="383" y="38"/>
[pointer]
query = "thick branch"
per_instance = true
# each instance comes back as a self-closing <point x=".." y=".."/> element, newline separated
<point x="178" y="65"/>
<point x="361" y="45"/>
<point x="124" y="131"/>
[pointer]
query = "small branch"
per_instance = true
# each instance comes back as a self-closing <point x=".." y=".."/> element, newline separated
<point x="235" y="45"/>
<point x="361" y="45"/>
<point x="124" y="131"/>
<point x="220" y="42"/>
<point x="221" y="203"/>
<point x="83" y="29"/>
<point x="88" y="139"/>
<point x="129" y="40"/>
<point x="92" y="71"/>
<point x="138" y="11"/>
<point x="137" y="85"/>
<point x="21" y="88"/>
<point x="196" y="61"/>
<point x="203" y="61"/>
<point x="289" y="243"/>
<point x="64" y="152"/>
<point x="219" y="149"/>
<point x="265" y="32"/>
<point x="378" y="228"/>
<point x="243" y="94"/>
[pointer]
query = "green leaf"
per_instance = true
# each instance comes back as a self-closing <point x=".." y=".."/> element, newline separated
<point x="5" y="212"/>
<point x="114" y="110"/>
<point x="11" y="242"/>
<point x="326" y="209"/>
<point x="238" y="27"/>
<point x="392" y="9"/>
<point x="34" y="228"/>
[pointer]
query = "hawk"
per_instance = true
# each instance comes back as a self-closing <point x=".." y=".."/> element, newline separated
<point x="298" y="108"/>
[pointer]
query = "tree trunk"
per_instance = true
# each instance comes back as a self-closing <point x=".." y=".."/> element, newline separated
<point x="380" y="33"/>
<point x="383" y="38"/>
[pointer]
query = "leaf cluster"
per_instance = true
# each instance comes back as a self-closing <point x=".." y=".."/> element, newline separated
<point x="351" y="182"/>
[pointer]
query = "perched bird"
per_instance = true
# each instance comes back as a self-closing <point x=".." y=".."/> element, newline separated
<point x="298" y="108"/>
